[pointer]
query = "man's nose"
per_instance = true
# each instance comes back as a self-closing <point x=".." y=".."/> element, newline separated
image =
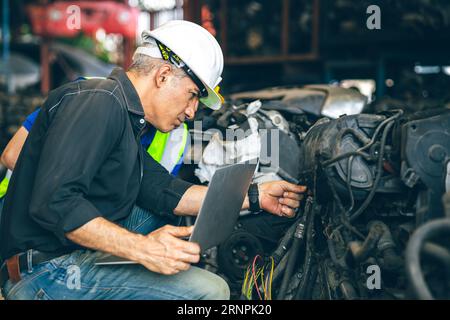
<point x="191" y="109"/>
<point x="190" y="113"/>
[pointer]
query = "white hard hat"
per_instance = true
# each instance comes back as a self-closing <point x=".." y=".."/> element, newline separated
<point x="193" y="48"/>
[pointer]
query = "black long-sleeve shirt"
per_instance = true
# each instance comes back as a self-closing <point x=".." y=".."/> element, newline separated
<point x="82" y="160"/>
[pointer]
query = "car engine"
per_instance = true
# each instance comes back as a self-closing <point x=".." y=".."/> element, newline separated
<point x="375" y="222"/>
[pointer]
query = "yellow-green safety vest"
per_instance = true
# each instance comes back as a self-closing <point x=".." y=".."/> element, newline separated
<point x="167" y="148"/>
<point x="4" y="184"/>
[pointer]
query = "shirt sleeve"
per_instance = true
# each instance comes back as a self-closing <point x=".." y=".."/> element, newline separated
<point x="29" y="121"/>
<point x="80" y="137"/>
<point x="160" y="192"/>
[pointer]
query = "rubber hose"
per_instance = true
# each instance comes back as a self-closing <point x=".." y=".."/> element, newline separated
<point x="413" y="269"/>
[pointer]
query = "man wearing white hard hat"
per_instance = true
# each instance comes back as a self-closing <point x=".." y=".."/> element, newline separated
<point x="68" y="206"/>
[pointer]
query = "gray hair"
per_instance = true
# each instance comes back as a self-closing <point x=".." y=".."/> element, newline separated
<point x="143" y="64"/>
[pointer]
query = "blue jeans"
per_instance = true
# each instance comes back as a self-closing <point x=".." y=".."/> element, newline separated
<point x="75" y="276"/>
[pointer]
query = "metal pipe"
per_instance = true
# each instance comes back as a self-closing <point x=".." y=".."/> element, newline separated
<point x="439" y="253"/>
<point x="416" y="243"/>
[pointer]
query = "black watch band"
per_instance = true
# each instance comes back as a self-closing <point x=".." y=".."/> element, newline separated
<point x="253" y="198"/>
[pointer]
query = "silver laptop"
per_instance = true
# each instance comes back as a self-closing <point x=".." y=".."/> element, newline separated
<point x="219" y="211"/>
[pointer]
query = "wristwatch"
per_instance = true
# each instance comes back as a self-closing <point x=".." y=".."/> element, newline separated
<point x="253" y="198"/>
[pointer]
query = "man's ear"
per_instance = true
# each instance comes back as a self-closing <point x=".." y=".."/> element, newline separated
<point x="162" y="74"/>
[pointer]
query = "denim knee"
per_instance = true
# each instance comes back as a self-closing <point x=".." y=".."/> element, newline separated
<point x="213" y="287"/>
<point x="218" y="290"/>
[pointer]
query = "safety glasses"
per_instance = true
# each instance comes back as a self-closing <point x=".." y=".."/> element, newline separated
<point x="171" y="57"/>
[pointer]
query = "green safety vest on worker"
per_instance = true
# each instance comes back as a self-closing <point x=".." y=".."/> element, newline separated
<point x="166" y="148"/>
<point x="4" y="184"/>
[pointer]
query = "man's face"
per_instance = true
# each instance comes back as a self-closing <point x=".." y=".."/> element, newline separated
<point x="175" y="101"/>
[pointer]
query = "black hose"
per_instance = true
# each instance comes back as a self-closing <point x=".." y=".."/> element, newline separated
<point x="386" y="246"/>
<point x="332" y="252"/>
<point x="389" y="123"/>
<point x="360" y="252"/>
<point x="280" y="268"/>
<point x="359" y="151"/>
<point x="357" y="134"/>
<point x="416" y="243"/>
<point x="295" y="249"/>
<point x="302" y="288"/>
<point x="312" y="281"/>
<point x="308" y="264"/>
<point x="378" y="176"/>
<point x="346" y="155"/>
<point x="439" y="253"/>
<point x="348" y="183"/>
<point x="294" y="252"/>
<point x="378" y="129"/>
<point x="285" y="242"/>
<point x="343" y="213"/>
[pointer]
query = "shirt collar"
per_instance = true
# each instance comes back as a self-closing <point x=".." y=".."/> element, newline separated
<point x="132" y="99"/>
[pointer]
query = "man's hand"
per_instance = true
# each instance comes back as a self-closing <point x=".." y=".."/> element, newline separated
<point x="280" y="197"/>
<point x="163" y="251"/>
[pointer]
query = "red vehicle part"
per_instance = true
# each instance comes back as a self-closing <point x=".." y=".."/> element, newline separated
<point x="67" y="19"/>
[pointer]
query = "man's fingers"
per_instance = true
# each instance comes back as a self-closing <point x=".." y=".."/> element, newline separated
<point x="185" y="246"/>
<point x="289" y="202"/>
<point x="287" y="212"/>
<point x="294" y="187"/>
<point x="161" y="268"/>
<point x="168" y="271"/>
<point x="186" y="257"/>
<point x="173" y="235"/>
<point x="183" y="251"/>
<point x="174" y="262"/>
<point x="179" y="265"/>
<point x="179" y="232"/>
<point x="293" y="195"/>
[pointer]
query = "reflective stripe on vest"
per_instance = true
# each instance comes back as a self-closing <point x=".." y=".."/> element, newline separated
<point x="4" y="184"/>
<point x="167" y="148"/>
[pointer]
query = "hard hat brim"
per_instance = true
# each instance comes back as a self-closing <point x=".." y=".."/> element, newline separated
<point x="212" y="101"/>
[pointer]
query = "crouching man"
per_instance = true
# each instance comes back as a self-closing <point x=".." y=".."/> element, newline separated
<point x="83" y="185"/>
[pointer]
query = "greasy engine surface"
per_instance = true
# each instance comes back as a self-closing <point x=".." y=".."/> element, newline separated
<point x="373" y="180"/>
